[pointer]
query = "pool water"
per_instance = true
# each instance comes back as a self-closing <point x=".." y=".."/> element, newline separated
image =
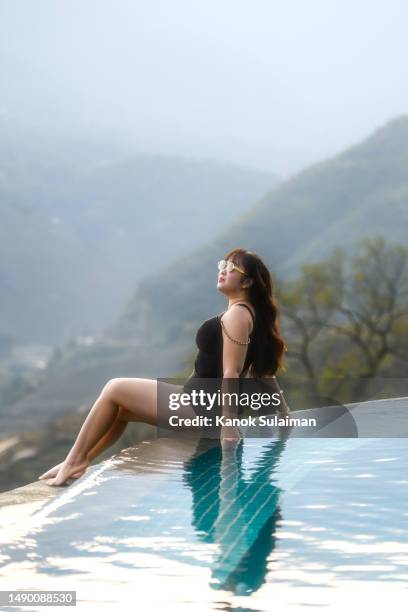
<point x="177" y="523"/>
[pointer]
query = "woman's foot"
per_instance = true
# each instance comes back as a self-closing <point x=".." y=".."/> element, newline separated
<point x="51" y="473"/>
<point x="67" y="471"/>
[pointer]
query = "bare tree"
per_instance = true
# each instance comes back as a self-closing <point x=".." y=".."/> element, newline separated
<point x="347" y="316"/>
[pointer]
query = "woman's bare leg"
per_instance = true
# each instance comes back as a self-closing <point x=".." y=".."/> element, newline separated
<point x="114" y="433"/>
<point x="112" y="436"/>
<point x="138" y="399"/>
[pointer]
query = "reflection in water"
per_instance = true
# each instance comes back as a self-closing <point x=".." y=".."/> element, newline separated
<point x="238" y="513"/>
<point x="186" y="527"/>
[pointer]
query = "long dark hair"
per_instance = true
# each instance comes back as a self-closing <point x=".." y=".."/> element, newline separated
<point x="270" y="346"/>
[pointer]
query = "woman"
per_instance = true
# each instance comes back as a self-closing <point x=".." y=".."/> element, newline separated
<point x="243" y="338"/>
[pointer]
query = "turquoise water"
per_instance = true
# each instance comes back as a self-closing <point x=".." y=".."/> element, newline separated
<point x="301" y="521"/>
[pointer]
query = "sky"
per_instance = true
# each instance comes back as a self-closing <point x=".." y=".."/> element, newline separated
<point x="271" y="85"/>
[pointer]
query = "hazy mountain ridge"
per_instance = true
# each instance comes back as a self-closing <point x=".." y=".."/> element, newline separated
<point x="335" y="202"/>
<point x="82" y="223"/>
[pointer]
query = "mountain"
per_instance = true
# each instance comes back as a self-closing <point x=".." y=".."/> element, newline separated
<point x="82" y="222"/>
<point x="360" y="192"/>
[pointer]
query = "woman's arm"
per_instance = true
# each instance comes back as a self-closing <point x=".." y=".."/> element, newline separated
<point x="234" y="350"/>
<point x="236" y="321"/>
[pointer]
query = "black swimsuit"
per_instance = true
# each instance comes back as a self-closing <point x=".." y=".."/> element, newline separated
<point x="208" y="362"/>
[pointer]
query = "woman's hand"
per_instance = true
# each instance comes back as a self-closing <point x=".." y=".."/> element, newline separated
<point x="230" y="435"/>
<point x="284" y="411"/>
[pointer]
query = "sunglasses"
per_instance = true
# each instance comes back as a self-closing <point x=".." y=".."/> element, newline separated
<point x="229" y="266"/>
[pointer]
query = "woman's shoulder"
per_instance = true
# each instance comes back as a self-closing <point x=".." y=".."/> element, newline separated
<point x="245" y="307"/>
<point x="236" y="316"/>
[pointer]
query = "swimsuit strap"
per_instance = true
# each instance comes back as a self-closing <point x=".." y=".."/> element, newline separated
<point x="248" y="308"/>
